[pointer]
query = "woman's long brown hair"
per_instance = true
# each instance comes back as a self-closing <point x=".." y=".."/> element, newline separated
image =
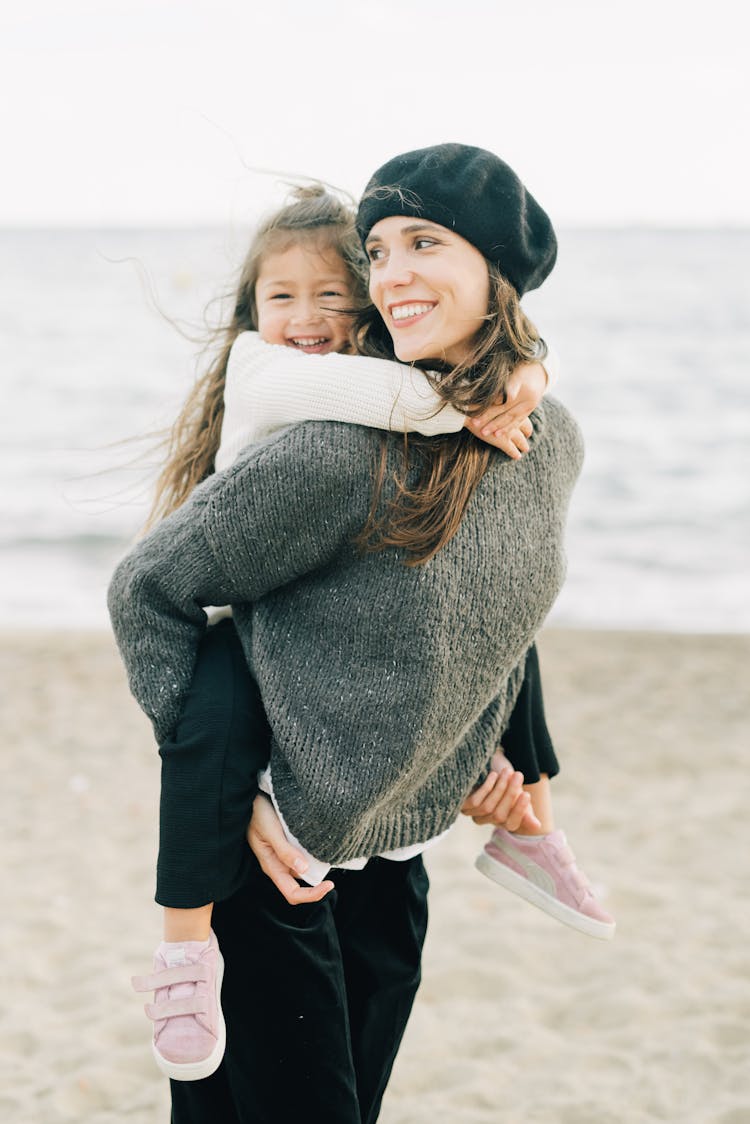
<point x="422" y="517"/>
<point x="315" y="216"/>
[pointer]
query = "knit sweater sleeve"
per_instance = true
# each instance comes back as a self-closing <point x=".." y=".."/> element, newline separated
<point x="242" y="534"/>
<point x="269" y="387"/>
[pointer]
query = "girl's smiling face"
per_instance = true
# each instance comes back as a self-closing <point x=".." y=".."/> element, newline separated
<point x="430" y="286"/>
<point x="297" y="295"/>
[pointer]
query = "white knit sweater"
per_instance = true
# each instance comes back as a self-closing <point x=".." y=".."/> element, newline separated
<point x="269" y="387"/>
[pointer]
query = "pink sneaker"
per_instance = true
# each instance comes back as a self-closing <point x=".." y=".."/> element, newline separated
<point x="544" y="872"/>
<point x="189" y="1031"/>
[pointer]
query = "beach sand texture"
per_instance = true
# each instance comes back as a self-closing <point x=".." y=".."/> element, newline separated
<point x="519" y="1019"/>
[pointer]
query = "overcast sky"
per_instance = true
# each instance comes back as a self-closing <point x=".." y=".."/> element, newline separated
<point x="160" y="112"/>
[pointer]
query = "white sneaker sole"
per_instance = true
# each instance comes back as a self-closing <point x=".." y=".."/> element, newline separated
<point x="196" y="1071"/>
<point x="503" y="876"/>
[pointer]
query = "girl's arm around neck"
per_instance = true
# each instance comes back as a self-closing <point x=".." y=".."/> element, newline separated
<point x="506" y="424"/>
<point x="269" y="387"/>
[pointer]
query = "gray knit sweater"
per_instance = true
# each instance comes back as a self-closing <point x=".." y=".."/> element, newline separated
<point x="387" y="687"/>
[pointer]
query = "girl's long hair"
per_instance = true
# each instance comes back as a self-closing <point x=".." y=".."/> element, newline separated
<point x="421" y="517"/>
<point x="314" y="216"/>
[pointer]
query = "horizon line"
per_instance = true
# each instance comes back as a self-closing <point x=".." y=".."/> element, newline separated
<point x="644" y="226"/>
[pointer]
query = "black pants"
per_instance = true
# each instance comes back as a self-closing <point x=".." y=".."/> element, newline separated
<point x="210" y="764"/>
<point x="209" y="777"/>
<point x="526" y="741"/>
<point x="316" y="999"/>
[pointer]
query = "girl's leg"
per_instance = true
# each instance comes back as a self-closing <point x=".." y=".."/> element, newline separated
<point x="543" y="869"/>
<point x="528" y="745"/>
<point x="527" y="742"/>
<point x="209" y="769"/>
<point x="381" y="919"/>
<point x="288" y="1053"/>
<point x="541" y="803"/>
<point x="188" y="924"/>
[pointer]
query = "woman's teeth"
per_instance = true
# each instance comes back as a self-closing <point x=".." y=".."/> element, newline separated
<point x="407" y="311"/>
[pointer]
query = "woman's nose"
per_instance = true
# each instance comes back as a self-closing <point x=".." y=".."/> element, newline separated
<point x="395" y="271"/>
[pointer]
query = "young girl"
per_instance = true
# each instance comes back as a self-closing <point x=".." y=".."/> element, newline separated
<point x="302" y="279"/>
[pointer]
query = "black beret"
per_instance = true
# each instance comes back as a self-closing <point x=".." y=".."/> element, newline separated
<point x="474" y="193"/>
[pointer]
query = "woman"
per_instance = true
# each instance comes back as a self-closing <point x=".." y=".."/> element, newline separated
<point x="362" y="609"/>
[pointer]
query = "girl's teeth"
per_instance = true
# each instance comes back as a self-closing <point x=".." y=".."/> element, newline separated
<point x="405" y="311"/>
<point x="309" y="343"/>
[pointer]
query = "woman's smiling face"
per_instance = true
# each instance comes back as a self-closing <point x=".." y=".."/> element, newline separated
<point x="430" y="286"/>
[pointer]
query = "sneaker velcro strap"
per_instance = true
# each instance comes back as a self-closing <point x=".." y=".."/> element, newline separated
<point x="183" y="973"/>
<point x="195" y="1005"/>
<point x="565" y="854"/>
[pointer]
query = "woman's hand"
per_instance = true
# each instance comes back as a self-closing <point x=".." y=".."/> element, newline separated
<point x="501" y="800"/>
<point x="506" y="424"/>
<point x="282" y="862"/>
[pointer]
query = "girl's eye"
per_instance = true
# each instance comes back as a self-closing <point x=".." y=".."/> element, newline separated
<point x="332" y="293"/>
<point x="280" y="297"/>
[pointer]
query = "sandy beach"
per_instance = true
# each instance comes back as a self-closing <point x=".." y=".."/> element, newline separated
<point x="518" y="1018"/>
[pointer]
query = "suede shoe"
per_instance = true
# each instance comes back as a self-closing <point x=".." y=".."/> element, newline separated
<point x="543" y="871"/>
<point x="189" y="1032"/>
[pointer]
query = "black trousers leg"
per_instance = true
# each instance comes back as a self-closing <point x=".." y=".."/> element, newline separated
<point x="316" y="999"/>
<point x="209" y="771"/>
<point x="381" y="950"/>
<point x="526" y="741"/>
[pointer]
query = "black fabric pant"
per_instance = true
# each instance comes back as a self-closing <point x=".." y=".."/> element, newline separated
<point x="316" y="999"/>
<point x="211" y="761"/>
<point x="209" y="777"/>
<point x="526" y="741"/>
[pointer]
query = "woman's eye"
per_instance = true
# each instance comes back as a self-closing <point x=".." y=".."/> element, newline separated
<point x="375" y="253"/>
<point x="424" y="243"/>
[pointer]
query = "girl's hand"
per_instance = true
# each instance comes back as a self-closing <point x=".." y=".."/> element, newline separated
<point x="282" y="862"/>
<point x="506" y="424"/>
<point x="501" y="801"/>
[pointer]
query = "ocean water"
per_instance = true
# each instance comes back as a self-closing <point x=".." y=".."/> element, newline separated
<point x="653" y="329"/>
